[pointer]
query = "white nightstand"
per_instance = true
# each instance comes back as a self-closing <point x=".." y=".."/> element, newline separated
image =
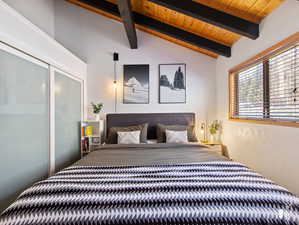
<point x="91" y="138"/>
<point x="216" y="147"/>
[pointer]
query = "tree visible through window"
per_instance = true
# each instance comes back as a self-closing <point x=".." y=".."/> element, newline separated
<point x="268" y="89"/>
<point x="284" y="82"/>
<point x="250" y="97"/>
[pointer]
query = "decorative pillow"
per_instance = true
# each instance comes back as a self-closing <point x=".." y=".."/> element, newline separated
<point x="152" y="141"/>
<point x="112" y="134"/>
<point x="129" y="137"/>
<point x="176" y="136"/>
<point x="161" y="136"/>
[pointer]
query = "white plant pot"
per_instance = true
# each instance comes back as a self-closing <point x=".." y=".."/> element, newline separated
<point x="215" y="138"/>
<point x="97" y="117"/>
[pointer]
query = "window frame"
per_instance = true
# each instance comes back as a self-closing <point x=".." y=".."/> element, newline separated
<point x="262" y="57"/>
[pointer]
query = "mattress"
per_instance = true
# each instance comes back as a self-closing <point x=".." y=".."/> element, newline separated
<point x="111" y="187"/>
<point x="150" y="154"/>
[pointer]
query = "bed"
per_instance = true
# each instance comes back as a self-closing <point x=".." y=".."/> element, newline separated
<point x="154" y="184"/>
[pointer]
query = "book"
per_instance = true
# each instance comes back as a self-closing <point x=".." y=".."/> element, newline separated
<point x="89" y="131"/>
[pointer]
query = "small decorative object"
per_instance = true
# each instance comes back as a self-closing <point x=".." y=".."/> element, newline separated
<point x="85" y="145"/>
<point x="95" y="140"/>
<point x="172" y="83"/>
<point x="97" y="109"/>
<point x="215" y="131"/>
<point x="136" y="84"/>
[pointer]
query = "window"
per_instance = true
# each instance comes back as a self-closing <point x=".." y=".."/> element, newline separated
<point x="283" y="82"/>
<point x="266" y="88"/>
<point x="250" y="94"/>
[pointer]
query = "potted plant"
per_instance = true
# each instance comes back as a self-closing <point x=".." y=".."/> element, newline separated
<point x="97" y="108"/>
<point x="214" y="129"/>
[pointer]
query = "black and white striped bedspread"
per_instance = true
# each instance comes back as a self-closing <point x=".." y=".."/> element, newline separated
<point x="204" y="193"/>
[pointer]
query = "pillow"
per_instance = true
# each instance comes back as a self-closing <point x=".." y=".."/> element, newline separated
<point x="176" y="136"/>
<point x="112" y="134"/>
<point x="152" y="141"/>
<point x="128" y="137"/>
<point x="161" y="136"/>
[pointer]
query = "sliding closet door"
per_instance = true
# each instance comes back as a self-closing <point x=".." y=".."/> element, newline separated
<point x="68" y="111"/>
<point x="24" y="123"/>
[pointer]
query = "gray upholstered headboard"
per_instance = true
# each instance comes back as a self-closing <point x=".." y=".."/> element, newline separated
<point x="130" y="119"/>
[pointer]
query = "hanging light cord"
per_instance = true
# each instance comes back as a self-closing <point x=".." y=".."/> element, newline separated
<point x="115" y="88"/>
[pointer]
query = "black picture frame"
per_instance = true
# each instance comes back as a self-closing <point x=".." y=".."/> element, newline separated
<point x="136" y="75"/>
<point x="161" y="97"/>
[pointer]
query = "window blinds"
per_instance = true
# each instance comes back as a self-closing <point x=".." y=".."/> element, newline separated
<point x="267" y="90"/>
<point x="283" y="85"/>
<point x="250" y="93"/>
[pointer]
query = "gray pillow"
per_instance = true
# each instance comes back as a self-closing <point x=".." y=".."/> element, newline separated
<point x="161" y="129"/>
<point x="112" y="134"/>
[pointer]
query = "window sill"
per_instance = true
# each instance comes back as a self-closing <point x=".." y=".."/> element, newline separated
<point x="265" y="122"/>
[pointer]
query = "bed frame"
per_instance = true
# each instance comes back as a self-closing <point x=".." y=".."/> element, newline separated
<point x="131" y="119"/>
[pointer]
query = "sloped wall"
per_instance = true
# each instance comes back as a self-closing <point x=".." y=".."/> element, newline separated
<point x="94" y="38"/>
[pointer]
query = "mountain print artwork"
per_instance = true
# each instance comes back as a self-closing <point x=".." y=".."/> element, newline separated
<point x="172" y="83"/>
<point x="136" y="84"/>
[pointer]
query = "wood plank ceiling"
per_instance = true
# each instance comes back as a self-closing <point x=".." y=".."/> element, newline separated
<point x="251" y="10"/>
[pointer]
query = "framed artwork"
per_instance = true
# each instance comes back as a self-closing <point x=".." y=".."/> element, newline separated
<point x="136" y="84"/>
<point x="172" y="83"/>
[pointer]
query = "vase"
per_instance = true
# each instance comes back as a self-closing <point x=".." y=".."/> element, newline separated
<point x="215" y="138"/>
<point x="97" y="117"/>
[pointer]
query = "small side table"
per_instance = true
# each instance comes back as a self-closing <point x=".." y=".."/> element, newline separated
<point x="217" y="147"/>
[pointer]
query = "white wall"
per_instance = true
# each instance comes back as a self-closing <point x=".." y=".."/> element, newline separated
<point x="39" y="12"/>
<point x="270" y="150"/>
<point x="22" y="34"/>
<point x="94" y="38"/>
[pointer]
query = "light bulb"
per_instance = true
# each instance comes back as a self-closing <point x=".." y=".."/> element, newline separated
<point x="114" y="84"/>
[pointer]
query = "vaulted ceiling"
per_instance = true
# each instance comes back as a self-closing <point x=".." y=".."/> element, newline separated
<point x="210" y="27"/>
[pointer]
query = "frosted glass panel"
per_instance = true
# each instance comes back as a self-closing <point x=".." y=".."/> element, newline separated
<point x="67" y="121"/>
<point x="24" y="125"/>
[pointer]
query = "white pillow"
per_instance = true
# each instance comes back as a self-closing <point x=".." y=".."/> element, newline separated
<point x="152" y="141"/>
<point x="130" y="137"/>
<point x="173" y="136"/>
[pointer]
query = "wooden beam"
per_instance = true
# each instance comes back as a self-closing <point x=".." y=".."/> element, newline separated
<point x="125" y="9"/>
<point x="183" y="35"/>
<point x="212" y="16"/>
<point x="149" y="23"/>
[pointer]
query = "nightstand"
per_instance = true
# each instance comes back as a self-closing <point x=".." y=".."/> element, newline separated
<point x="91" y="136"/>
<point x="216" y="147"/>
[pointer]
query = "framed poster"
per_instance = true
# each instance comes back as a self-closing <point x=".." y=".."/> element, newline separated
<point x="172" y="83"/>
<point x="136" y="84"/>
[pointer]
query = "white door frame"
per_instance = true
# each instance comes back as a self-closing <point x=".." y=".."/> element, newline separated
<point x="52" y="111"/>
<point x="32" y="59"/>
<point x="51" y="93"/>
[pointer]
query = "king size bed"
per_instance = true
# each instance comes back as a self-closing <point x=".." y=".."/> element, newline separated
<point x="156" y="183"/>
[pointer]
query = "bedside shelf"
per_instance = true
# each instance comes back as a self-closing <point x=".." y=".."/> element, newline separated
<point x="91" y="136"/>
<point x="90" y="142"/>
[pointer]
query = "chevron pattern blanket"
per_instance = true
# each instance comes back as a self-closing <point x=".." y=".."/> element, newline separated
<point x="203" y="193"/>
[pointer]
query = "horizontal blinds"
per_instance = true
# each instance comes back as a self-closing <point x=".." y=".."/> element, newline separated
<point x="250" y="93"/>
<point x="268" y="90"/>
<point x="233" y="92"/>
<point x="283" y="84"/>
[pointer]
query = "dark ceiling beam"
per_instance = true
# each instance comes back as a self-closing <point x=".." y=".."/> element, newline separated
<point x="212" y="16"/>
<point x="125" y="9"/>
<point x="163" y="28"/>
